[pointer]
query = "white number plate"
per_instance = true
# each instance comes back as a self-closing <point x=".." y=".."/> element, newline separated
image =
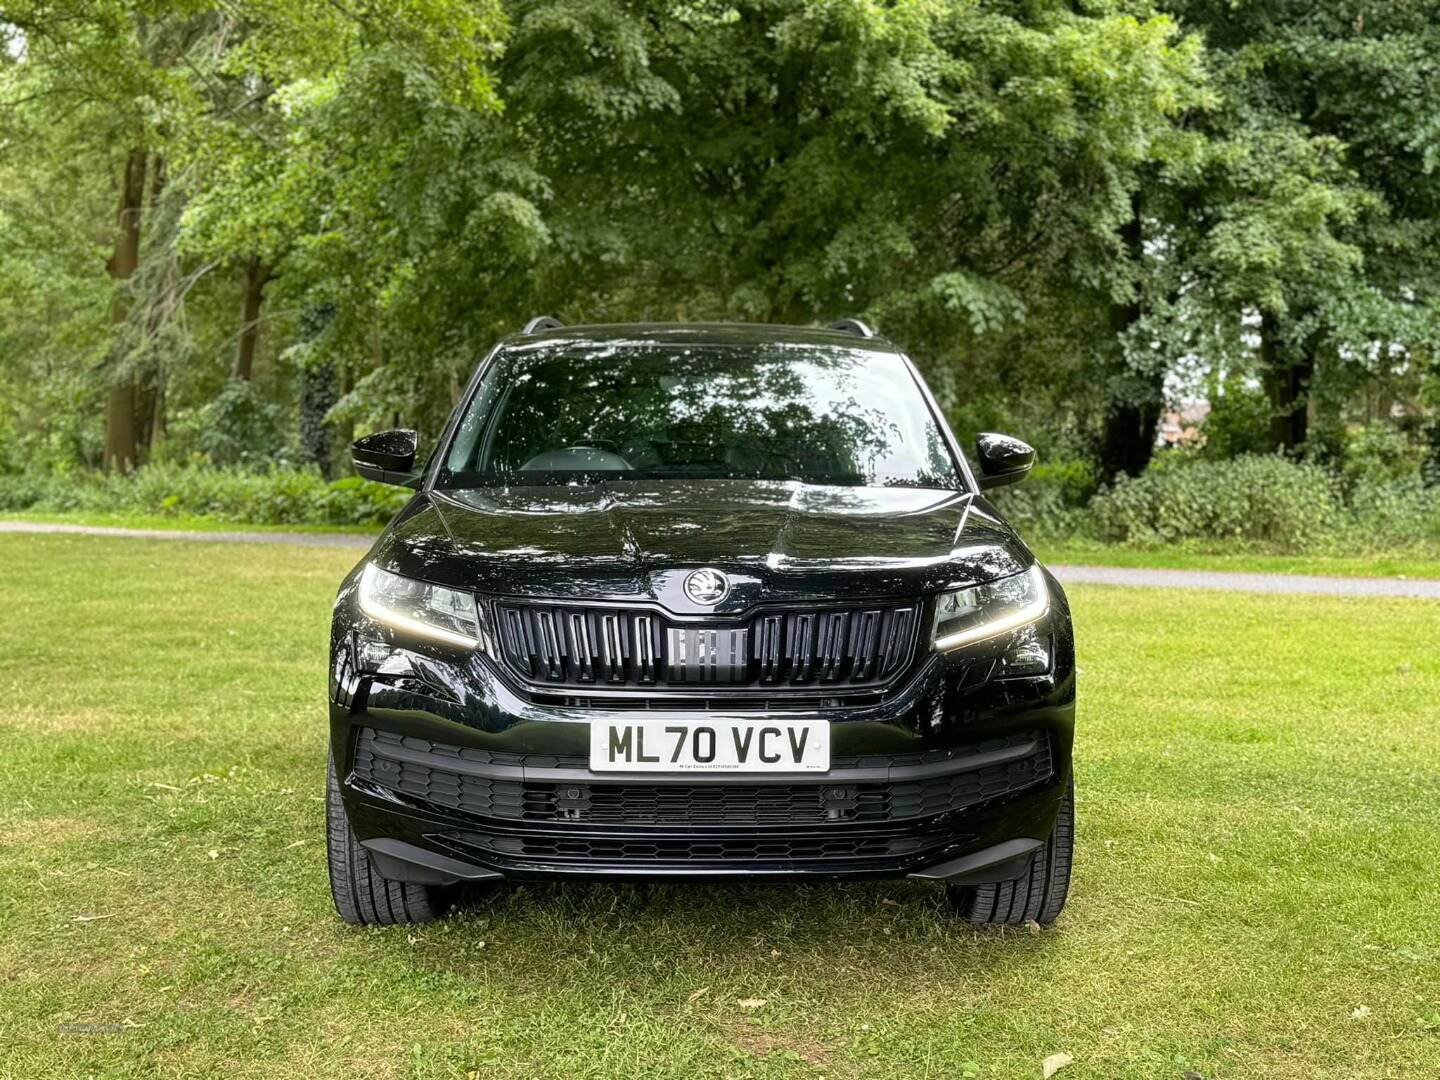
<point x="710" y="746"/>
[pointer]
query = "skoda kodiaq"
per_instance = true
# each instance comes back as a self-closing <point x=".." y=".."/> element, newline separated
<point x="699" y="602"/>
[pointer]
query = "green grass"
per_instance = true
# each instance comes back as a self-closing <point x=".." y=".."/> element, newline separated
<point x="1259" y="827"/>
<point x="1418" y="562"/>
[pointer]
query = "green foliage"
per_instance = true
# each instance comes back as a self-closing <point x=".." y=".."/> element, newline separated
<point x="1056" y="209"/>
<point x="276" y="497"/>
<point x="1391" y="513"/>
<point x="1238" y="422"/>
<point x="1268" y="500"/>
<point x="239" y="427"/>
<point x="1377" y="456"/>
<point x="1051" y="501"/>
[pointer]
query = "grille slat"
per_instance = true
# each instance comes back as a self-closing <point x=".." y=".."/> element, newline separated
<point x="646" y="648"/>
<point x="612" y="653"/>
<point x="802" y="646"/>
<point x="581" y="647"/>
<point x="831" y="651"/>
<point x="551" y="656"/>
<point x="577" y="645"/>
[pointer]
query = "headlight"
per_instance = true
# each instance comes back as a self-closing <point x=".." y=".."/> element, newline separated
<point x="432" y="611"/>
<point x="973" y="614"/>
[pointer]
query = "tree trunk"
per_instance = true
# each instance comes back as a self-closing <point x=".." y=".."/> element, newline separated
<point x="317" y="395"/>
<point x="342" y="434"/>
<point x="1430" y="467"/>
<point x="1128" y="439"/>
<point x="1288" y="370"/>
<point x="257" y="275"/>
<point x="157" y="418"/>
<point x="121" y="448"/>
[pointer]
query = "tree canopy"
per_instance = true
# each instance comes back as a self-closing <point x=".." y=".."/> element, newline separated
<point x="246" y="228"/>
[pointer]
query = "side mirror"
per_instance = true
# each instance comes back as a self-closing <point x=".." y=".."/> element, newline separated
<point x="387" y="456"/>
<point x="1003" y="459"/>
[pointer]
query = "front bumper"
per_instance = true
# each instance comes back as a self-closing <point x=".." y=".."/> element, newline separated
<point x="449" y="773"/>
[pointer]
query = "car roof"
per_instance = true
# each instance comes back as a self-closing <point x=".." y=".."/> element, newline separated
<point x="715" y="334"/>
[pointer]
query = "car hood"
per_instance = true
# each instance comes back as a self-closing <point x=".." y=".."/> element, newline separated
<point x="637" y="539"/>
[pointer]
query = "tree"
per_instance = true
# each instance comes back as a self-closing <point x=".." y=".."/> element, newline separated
<point x="1318" y="202"/>
<point x="121" y="446"/>
<point x="940" y="168"/>
<point x="1061" y="213"/>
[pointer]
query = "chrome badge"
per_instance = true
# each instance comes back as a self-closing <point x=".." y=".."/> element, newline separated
<point x="706" y="586"/>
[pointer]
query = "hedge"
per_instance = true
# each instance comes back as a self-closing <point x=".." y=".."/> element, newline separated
<point x="1262" y="502"/>
<point x="277" y="497"/>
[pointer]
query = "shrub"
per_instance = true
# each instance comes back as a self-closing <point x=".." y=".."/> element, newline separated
<point x="1238" y="423"/>
<point x="238" y="421"/>
<point x="1267" y="500"/>
<point x="1384" y="515"/>
<point x="277" y="497"/>
<point x="1377" y="455"/>
<point x="1050" y="501"/>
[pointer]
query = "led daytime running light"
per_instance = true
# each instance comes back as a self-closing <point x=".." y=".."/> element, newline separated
<point x="369" y="585"/>
<point x="1011" y="620"/>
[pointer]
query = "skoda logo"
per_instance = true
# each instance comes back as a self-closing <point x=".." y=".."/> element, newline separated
<point x="706" y="586"/>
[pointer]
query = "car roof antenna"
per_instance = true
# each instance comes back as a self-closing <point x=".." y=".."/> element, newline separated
<point x="541" y="323"/>
<point x="852" y="326"/>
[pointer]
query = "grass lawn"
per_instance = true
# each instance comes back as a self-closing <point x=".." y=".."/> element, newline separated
<point x="1255" y="896"/>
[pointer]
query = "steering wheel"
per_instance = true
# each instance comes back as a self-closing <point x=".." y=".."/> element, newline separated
<point x="579" y="458"/>
<point x="593" y="443"/>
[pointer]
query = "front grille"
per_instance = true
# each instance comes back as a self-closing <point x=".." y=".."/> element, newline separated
<point x="594" y="647"/>
<point x="381" y="761"/>
<point x="687" y="849"/>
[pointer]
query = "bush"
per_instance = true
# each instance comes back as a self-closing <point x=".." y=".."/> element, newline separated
<point x="277" y="497"/>
<point x="1050" y="501"/>
<point x="1238" y="423"/>
<point x="1267" y="500"/>
<point x="1384" y="515"/>
<point x="236" y="422"/>
<point x="1377" y="455"/>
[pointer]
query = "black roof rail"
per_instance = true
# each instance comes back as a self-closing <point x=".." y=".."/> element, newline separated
<point x="541" y="323"/>
<point x="852" y="326"/>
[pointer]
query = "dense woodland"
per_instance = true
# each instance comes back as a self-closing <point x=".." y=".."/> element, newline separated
<point x="235" y="232"/>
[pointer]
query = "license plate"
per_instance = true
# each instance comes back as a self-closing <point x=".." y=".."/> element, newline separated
<point x="710" y="746"/>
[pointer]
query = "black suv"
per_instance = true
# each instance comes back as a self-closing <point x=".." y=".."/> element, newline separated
<point x="699" y="602"/>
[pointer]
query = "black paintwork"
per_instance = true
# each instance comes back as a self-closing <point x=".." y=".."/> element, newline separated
<point x="387" y="456"/>
<point x="633" y="541"/>
<point x="1004" y="459"/>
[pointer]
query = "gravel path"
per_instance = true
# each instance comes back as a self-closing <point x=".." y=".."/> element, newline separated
<point x="1087" y="575"/>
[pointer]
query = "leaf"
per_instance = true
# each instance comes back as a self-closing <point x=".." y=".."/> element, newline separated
<point x="750" y="1003"/>
<point x="1053" y="1064"/>
<point x="698" y="994"/>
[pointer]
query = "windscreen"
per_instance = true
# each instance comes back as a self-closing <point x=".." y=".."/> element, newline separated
<point x="588" y="413"/>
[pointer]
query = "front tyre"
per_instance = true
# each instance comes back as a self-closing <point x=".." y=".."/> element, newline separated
<point x="1037" y="895"/>
<point x="363" y="897"/>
